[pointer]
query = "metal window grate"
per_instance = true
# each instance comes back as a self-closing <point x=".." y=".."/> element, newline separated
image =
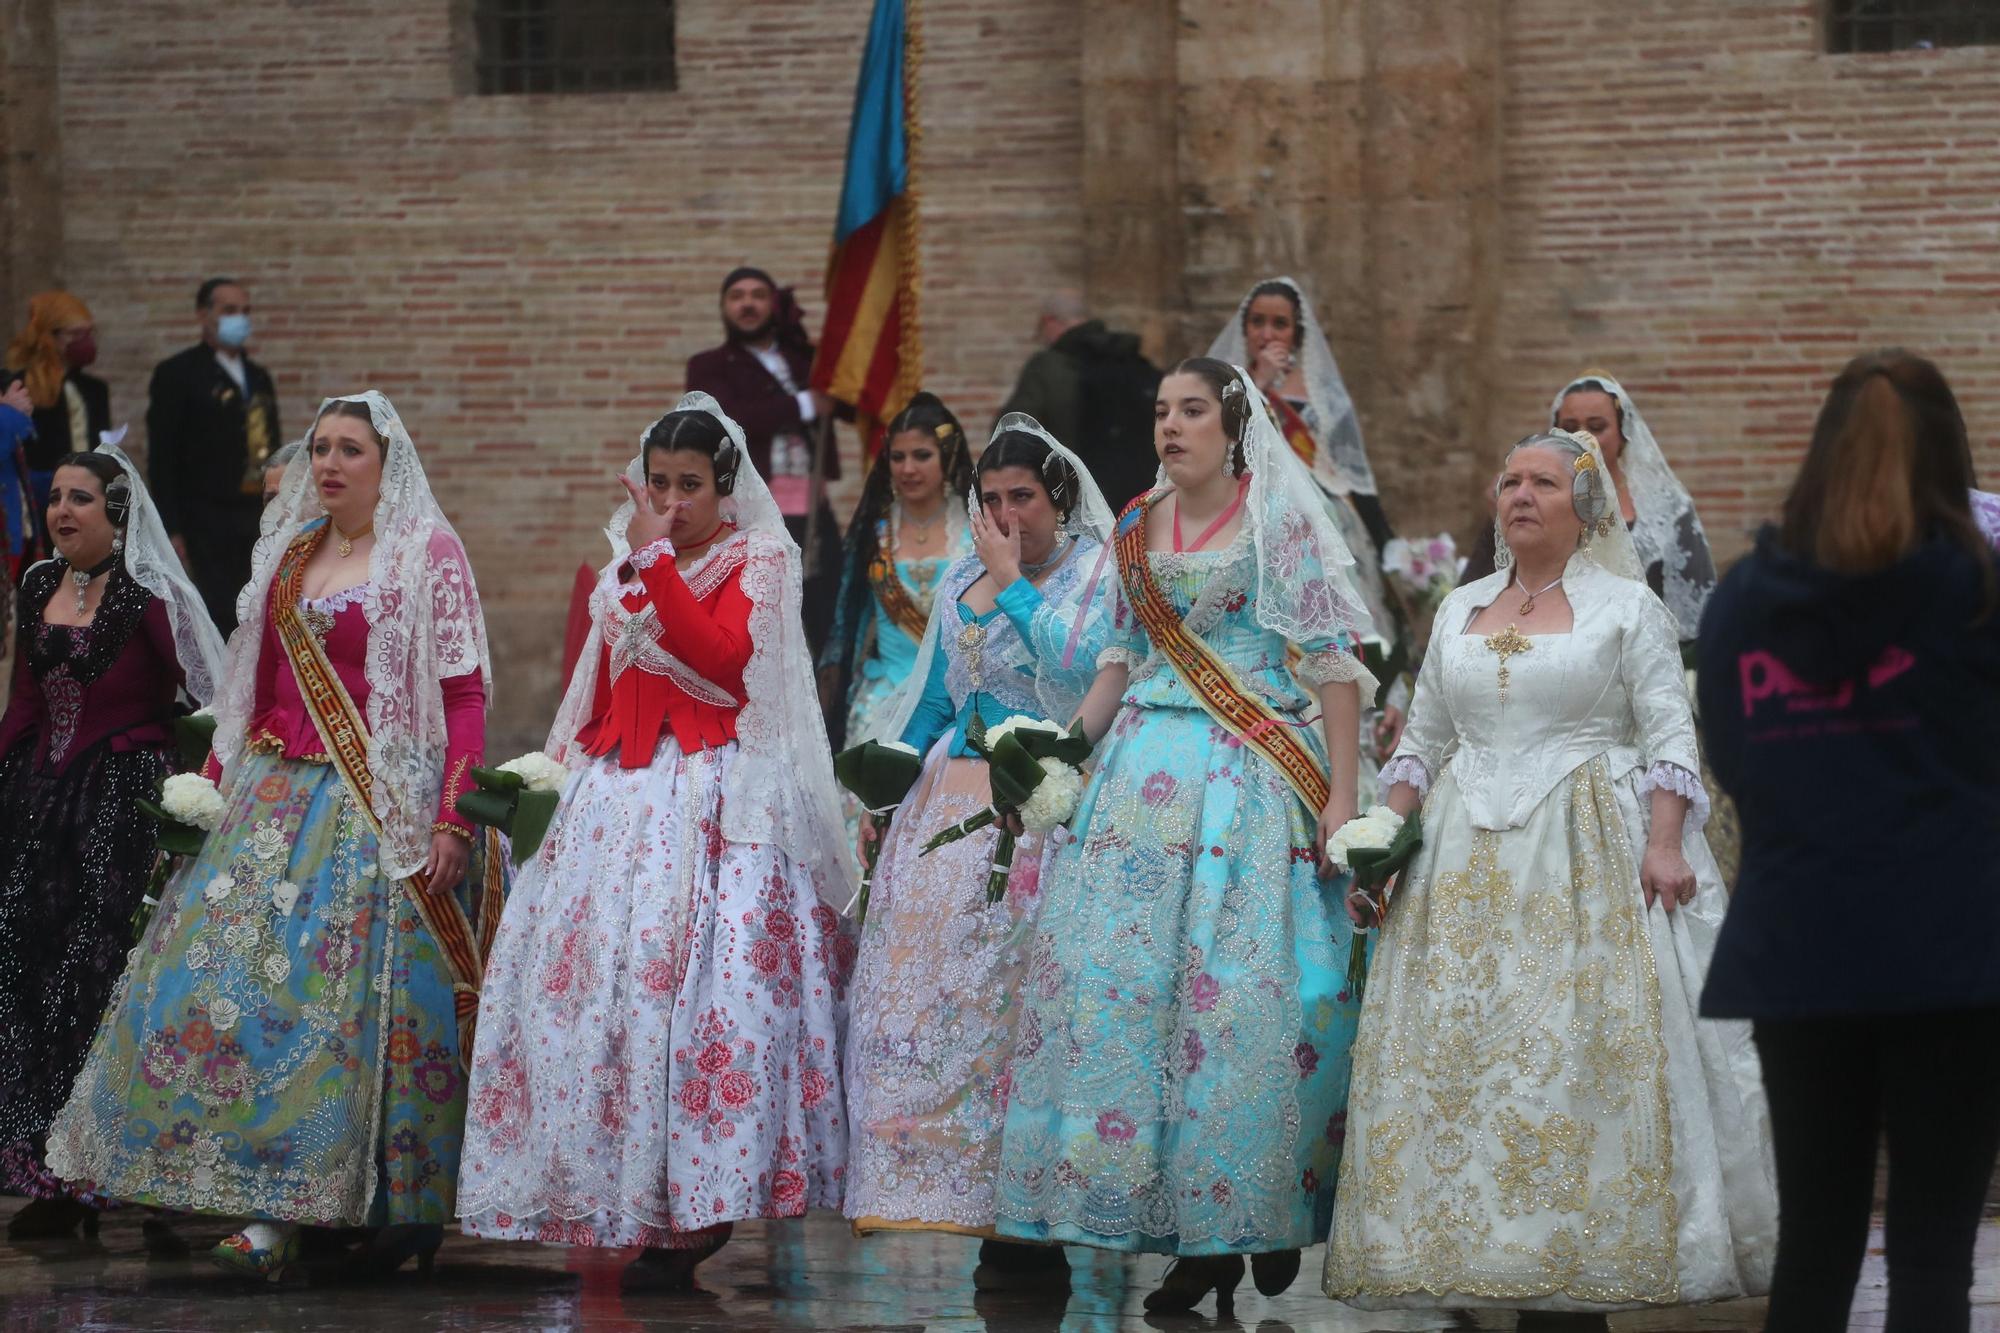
<point x="574" y="46"/>
<point x="1857" y="26"/>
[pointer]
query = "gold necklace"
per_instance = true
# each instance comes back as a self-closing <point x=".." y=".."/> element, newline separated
<point x="1529" y="605"/>
<point x="345" y="542"/>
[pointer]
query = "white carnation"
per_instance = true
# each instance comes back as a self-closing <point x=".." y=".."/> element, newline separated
<point x="192" y="799"/>
<point x="204" y="711"/>
<point x="900" y="748"/>
<point x="537" y="771"/>
<point x="1373" y="831"/>
<point x="1054" y="802"/>
<point x="1019" y="722"/>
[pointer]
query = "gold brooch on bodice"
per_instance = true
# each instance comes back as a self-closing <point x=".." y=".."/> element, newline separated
<point x="1504" y="645"/>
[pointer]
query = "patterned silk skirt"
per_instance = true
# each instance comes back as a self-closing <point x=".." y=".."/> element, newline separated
<point x="936" y="995"/>
<point x="282" y="1044"/>
<point x="1180" y="1069"/>
<point x="1540" y="1119"/>
<point x="659" y="1043"/>
<point x="75" y="854"/>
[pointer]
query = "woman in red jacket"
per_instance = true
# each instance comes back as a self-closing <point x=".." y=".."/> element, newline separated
<point x="665" y="995"/>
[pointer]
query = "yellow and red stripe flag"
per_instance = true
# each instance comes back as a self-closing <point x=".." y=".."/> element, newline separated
<point x="870" y="351"/>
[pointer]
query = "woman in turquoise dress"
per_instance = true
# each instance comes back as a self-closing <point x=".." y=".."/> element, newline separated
<point x="936" y="986"/>
<point x="909" y="527"/>
<point x="1180" y="1068"/>
<point x="288" y="1041"/>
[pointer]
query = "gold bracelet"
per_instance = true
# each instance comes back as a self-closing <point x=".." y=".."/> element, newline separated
<point x="457" y="832"/>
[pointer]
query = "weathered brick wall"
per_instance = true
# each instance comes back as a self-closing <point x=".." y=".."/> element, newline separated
<point x="1701" y="201"/>
<point x="526" y="277"/>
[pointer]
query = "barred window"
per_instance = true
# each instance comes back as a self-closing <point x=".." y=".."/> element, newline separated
<point x="573" y="46"/>
<point x="1854" y="26"/>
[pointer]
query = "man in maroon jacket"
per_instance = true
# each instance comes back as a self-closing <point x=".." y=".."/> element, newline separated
<point x="760" y="375"/>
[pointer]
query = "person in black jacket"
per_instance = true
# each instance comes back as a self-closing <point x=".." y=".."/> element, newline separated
<point x="72" y="409"/>
<point x="1850" y="693"/>
<point x="211" y="425"/>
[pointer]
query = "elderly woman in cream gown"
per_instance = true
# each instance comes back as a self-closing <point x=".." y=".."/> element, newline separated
<point x="1537" y="1120"/>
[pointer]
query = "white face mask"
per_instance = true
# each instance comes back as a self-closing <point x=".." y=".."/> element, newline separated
<point x="233" y="330"/>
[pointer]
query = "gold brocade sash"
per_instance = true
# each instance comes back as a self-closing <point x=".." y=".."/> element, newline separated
<point x="1293" y="427"/>
<point x="344" y="735"/>
<point x="890" y="590"/>
<point x="1222" y="694"/>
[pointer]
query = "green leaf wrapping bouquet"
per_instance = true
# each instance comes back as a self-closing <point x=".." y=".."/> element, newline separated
<point x="519" y="798"/>
<point x="1036" y="771"/>
<point x="880" y="774"/>
<point x="1377" y="847"/>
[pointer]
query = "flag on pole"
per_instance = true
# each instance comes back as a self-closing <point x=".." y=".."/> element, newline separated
<point x="870" y="349"/>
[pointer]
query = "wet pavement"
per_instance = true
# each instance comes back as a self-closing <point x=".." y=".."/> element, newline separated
<point x="813" y="1275"/>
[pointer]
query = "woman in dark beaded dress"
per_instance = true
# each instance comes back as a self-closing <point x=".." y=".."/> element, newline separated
<point x="109" y="637"/>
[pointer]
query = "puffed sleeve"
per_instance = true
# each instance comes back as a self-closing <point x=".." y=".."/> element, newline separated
<point x="465" y="745"/>
<point x="1125" y="642"/>
<point x="1649" y="666"/>
<point x="714" y="639"/>
<point x="1431" y="735"/>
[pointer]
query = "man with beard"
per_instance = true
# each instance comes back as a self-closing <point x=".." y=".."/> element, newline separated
<point x="760" y="376"/>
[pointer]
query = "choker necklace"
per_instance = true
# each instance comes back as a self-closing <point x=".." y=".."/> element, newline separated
<point x="1529" y="605"/>
<point x="720" y="524"/>
<point x="80" y="578"/>
<point x="1062" y="545"/>
<point x="345" y="542"/>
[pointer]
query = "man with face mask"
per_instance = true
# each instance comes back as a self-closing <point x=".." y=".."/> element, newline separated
<point x="211" y="427"/>
<point x="760" y="376"/>
<point x="70" y="408"/>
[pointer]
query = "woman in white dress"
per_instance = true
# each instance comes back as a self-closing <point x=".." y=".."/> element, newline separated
<point x="660" y="1055"/>
<point x="1537" y="1119"/>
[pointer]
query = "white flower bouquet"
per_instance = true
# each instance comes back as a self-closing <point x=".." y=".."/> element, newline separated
<point x="519" y="798"/>
<point x="1036" y="771"/>
<point x="880" y="774"/>
<point x="187" y="810"/>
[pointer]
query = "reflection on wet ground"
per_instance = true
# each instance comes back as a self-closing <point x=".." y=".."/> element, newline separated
<point x="813" y="1275"/>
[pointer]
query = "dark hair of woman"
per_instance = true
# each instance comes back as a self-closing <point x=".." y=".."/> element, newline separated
<point x="1599" y="386"/>
<point x="110" y="478"/>
<point x="1220" y="377"/>
<point x="1019" y="448"/>
<point x="359" y="411"/>
<point x="701" y="433"/>
<point x="925" y="412"/>
<point x="1273" y="287"/>
<point x="1889" y="467"/>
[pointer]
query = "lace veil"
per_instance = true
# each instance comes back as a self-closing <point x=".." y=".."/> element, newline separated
<point x="150" y="560"/>
<point x="1340" y="464"/>
<point x="1607" y="542"/>
<point x="424" y="626"/>
<point x="1059" y="688"/>
<point x="781" y="788"/>
<point x="1665" y="526"/>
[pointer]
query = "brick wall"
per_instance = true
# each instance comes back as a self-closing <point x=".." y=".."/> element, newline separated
<point x="526" y="276"/>
<point x="1701" y="201"/>
<point x="1690" y="194"/>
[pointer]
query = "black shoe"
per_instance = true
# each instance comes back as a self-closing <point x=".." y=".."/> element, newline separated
<point x="162" y="1241"/>
<point x="395" y="1246"/>
<point x="1274" y="1270"/>
<point x="1190" y="1279"/>
<point x="52" y="1219"/>
<point x="1006" y="1265"/>
<point x="669" y="1270"/>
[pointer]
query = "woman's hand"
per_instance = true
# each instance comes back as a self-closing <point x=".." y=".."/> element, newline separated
<point x="17" y="398"/>
<point x="999" y="552"/>
<point x="1389" y="731"/>
<point x="648" y="525"/>
<point x="1273" y="366"/>
<point x="1339" y="810"/>
<point x="1666" y="877"/>
<point x="446" y="867"/>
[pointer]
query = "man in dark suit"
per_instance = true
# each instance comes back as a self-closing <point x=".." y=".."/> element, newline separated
<point x="211" y="425"/>
<point x="761" y="377"/>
